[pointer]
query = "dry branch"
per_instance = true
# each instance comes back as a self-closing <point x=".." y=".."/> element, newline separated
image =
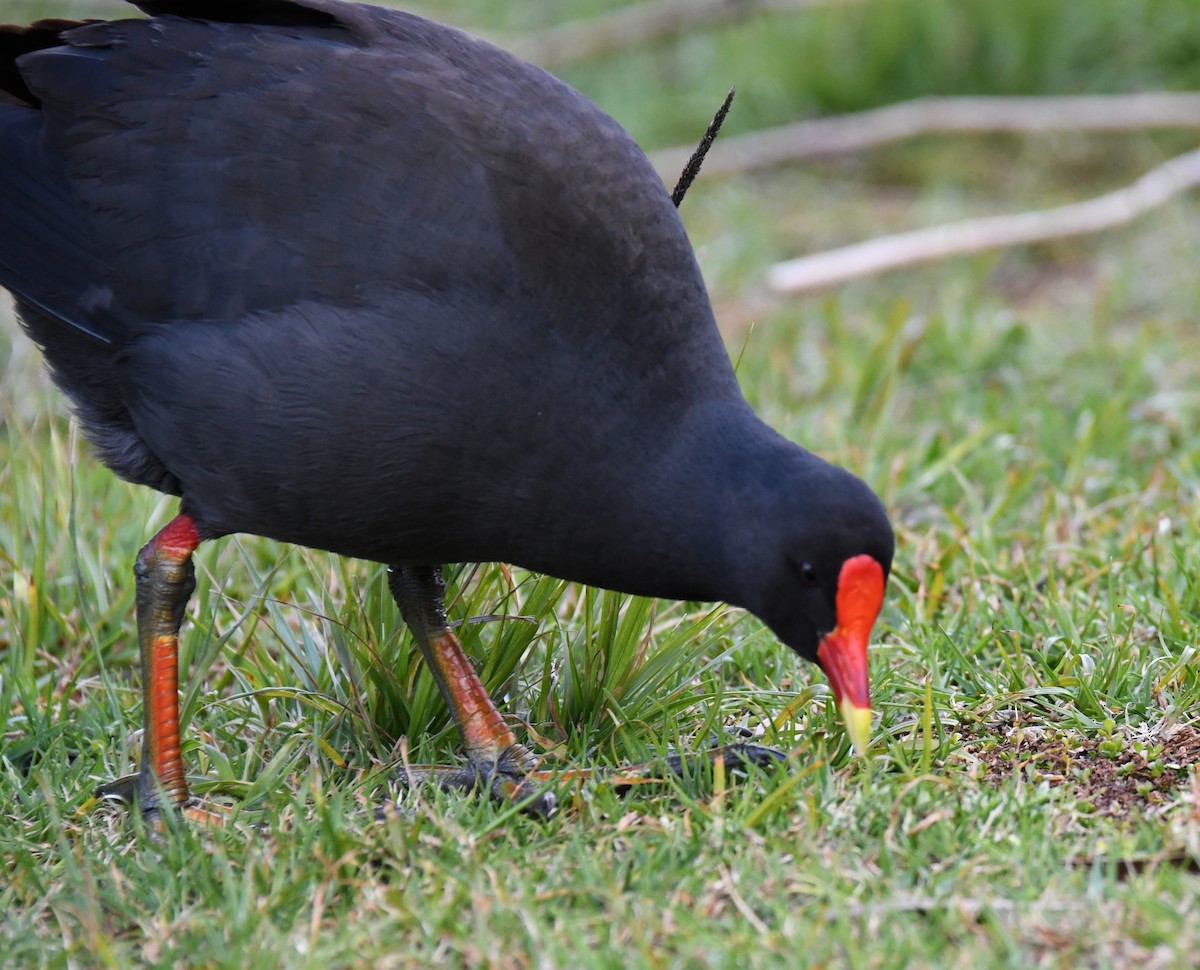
<point x="845" y="133"/>
<point x="641" y="24"/>
<point x="976" y="235"/>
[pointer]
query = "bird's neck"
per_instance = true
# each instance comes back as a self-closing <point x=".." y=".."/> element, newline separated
<point x="672" y="522"/>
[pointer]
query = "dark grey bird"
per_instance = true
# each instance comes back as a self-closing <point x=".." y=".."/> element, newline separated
<point x="347" y="278"/>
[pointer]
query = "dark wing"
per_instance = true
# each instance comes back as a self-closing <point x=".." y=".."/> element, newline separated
<point x="196" y="169"/>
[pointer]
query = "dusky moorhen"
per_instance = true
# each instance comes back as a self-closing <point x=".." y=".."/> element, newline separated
<point x="347" y="278"/>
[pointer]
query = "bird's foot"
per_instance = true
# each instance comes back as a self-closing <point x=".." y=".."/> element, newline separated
<point x="140" y="789"/>
<point x="506" y="777"/>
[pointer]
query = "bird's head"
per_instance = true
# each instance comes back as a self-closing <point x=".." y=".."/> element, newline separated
<point x="832" y="556"/>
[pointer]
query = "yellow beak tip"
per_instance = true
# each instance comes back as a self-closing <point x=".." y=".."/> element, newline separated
<point x="858" y="726"/>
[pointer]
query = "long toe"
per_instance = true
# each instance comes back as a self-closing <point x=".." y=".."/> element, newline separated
<point x="505" y="787"/>
<point x="123" y="789"/>
<point x="738" y="755"/>
<point x="742" y="755"/>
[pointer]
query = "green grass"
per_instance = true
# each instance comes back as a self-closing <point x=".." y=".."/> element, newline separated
<point x="1030" y="420"/>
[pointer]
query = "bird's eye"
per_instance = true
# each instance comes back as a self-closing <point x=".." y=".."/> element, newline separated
<point x="805" y="572"/>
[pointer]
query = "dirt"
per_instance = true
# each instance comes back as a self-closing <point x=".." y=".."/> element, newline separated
<point x="1120" y="775"/>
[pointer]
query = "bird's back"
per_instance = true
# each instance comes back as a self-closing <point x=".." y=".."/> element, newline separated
<point x="328" y="254"/>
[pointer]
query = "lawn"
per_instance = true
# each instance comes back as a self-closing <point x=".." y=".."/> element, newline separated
<point x="1029" y="419"/>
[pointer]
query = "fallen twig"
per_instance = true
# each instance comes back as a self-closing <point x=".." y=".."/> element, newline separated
<point x="846" y="133"/>
<point x="992" y="232"/>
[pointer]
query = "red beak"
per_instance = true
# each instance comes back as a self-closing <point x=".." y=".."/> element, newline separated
<point x="843" y="653"/>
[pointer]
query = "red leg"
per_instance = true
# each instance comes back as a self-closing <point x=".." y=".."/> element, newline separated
<point x="486" y="736"/>
<point x="497" y="762"/>
<point x="165" y="580"/>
